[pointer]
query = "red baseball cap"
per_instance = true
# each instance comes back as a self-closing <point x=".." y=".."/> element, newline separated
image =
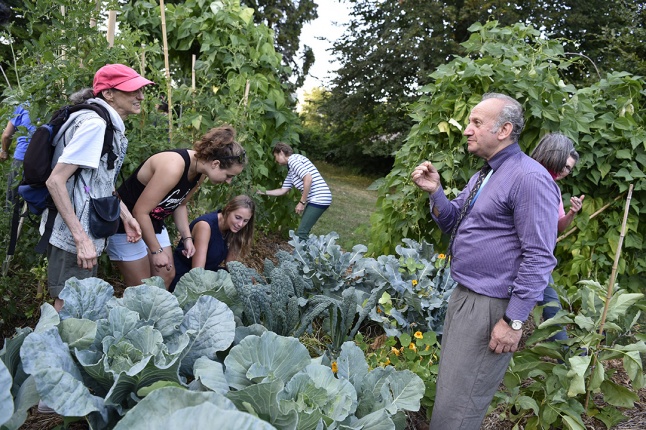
<point x="118" y="76"/>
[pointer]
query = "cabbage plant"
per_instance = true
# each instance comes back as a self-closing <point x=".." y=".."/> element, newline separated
<point x="274" y="378"/>
<point x="100" y="354"/>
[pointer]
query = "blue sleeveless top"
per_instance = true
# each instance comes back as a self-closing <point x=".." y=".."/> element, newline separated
<point x="216" y="252"/>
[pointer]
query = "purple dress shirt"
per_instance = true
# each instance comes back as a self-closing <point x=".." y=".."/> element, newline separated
<point x="504" y="247"/>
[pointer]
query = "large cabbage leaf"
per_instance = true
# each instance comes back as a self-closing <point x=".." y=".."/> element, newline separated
<point x="387" y="388"/>
<point x="155" y="307"/>
<point x="199" y="282"/>
<point x="211" y="327"/>
<point x="379" y="420"/>
<point x="155" y="410"/>
<point x="352" y="364"/>
<point x="261" y="400"/>
<point x="265" y="358"/>
<point x="86" y="298"/>
<point x="204" y="415"/>
<point x="315" y="394"/>
<point x="210" y="374"/>
<point x="58" y="380"/>
<point x="18" y="385"/>
<point x="6" y="399"/>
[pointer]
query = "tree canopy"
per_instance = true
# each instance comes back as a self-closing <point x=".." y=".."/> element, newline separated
<point x="390" y="49"/>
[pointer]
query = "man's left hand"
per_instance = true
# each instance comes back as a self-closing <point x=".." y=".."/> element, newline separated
<point x="504" y="338"/>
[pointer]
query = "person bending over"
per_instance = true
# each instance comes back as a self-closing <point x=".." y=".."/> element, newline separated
<point x="315" y="197"/>
<point x="162" y="186"/>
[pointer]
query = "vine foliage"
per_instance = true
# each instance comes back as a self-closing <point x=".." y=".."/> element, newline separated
<point x="604" y="120"/>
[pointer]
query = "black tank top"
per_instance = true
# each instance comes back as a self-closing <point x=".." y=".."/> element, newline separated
<point x="131" y="190"/>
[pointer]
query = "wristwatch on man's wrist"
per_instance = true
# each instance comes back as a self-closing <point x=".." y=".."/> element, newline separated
<point x="514" y="324"/>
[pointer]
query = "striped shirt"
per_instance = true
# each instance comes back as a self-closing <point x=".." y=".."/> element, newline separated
<point x="298" y="167"/>
<point x="504" y="247"/>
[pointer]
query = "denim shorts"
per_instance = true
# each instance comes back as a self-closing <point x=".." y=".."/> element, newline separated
<point x="119" y="249"/>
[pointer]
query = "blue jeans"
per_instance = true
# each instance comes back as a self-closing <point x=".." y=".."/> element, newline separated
<point x="549" y="295"/>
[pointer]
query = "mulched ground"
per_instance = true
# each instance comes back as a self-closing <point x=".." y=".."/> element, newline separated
<point x="266" y="246"/>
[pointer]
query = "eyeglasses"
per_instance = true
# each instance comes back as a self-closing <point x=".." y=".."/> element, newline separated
<point x="567" y="169"/>
<point x="240" y="158"/>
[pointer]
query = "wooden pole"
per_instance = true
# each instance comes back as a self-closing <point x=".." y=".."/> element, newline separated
<point x="193" y="73"/>
<point x="142" y="61"/>
<point x="613" y="276"/>
<point x="112" y="24"/>
<point x="93" y="19"/>
<point x="162" y="10"/>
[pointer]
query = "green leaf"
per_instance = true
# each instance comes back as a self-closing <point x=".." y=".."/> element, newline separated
<point x="579" y="366"/>
<point x="618" y="395"/>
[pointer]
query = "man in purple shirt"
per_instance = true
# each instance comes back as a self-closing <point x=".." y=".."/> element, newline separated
<point x="502" y="257"/>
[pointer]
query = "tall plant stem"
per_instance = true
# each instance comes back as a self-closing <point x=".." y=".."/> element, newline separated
<point x="162" y="10"/>
<point x="613" y="276"/>
<point x="15" y="66"/>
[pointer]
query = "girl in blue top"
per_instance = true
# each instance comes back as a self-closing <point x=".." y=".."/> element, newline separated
<point x="218" y="237"/>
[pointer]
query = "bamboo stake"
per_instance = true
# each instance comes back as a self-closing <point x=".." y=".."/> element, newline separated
<point x="142" y="61"/>
<point x="5" y="77"/>
<point x="193" y="73"/>
<point x="112" y="24"/>
<point x="93" y="19"/>
<point x="162" y="10"/>
<point x="613" y="276"/>
<point x="246" y="93"/>
<point x="563" y="236"/>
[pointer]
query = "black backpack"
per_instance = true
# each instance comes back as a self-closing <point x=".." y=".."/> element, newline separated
<point x="39" y="159"/>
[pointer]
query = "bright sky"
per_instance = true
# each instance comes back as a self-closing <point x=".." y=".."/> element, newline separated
<point x="329" y="25"/>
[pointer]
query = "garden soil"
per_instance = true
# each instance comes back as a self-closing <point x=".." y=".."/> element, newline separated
<point x="266" y="246"/>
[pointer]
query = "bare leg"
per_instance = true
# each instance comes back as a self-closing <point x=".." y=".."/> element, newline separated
<point x="134" y="271"/>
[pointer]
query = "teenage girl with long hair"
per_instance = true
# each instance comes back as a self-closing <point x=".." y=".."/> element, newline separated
<point x="162" y="186"/>
<point x="219" y="236"/>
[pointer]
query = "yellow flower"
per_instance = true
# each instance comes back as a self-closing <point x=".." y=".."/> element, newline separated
<point x="335" y="367"/>
<point x="395" y="351"/>
<point x="418" y="335"/>
<point x="412" y="346"/>
<point x="427" y="347"/>
<point x="401" y="349"/>
<point x="442" y="256"/>
<point x="387" y="362"/>
<point x="414" y="282"/>
<point x="378" y="310"/>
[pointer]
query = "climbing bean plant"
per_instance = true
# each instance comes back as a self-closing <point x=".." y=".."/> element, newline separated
<point x="604" y="120"/>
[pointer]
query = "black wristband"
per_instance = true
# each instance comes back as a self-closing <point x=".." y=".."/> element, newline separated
<point x="159" y="251"/>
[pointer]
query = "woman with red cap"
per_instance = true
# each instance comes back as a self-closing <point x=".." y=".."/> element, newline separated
<point x="81" y="173"/>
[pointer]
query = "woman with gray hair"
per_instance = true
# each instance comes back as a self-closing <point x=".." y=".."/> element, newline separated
<point x="556" y="153"/>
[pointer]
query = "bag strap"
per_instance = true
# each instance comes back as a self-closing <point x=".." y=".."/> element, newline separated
<point x="108" y="137"/>
<point x="52" y="213"/>
<point x="15" y="220"/>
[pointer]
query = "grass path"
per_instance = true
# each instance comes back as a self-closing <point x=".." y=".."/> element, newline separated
<point x="352" y="205"/>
